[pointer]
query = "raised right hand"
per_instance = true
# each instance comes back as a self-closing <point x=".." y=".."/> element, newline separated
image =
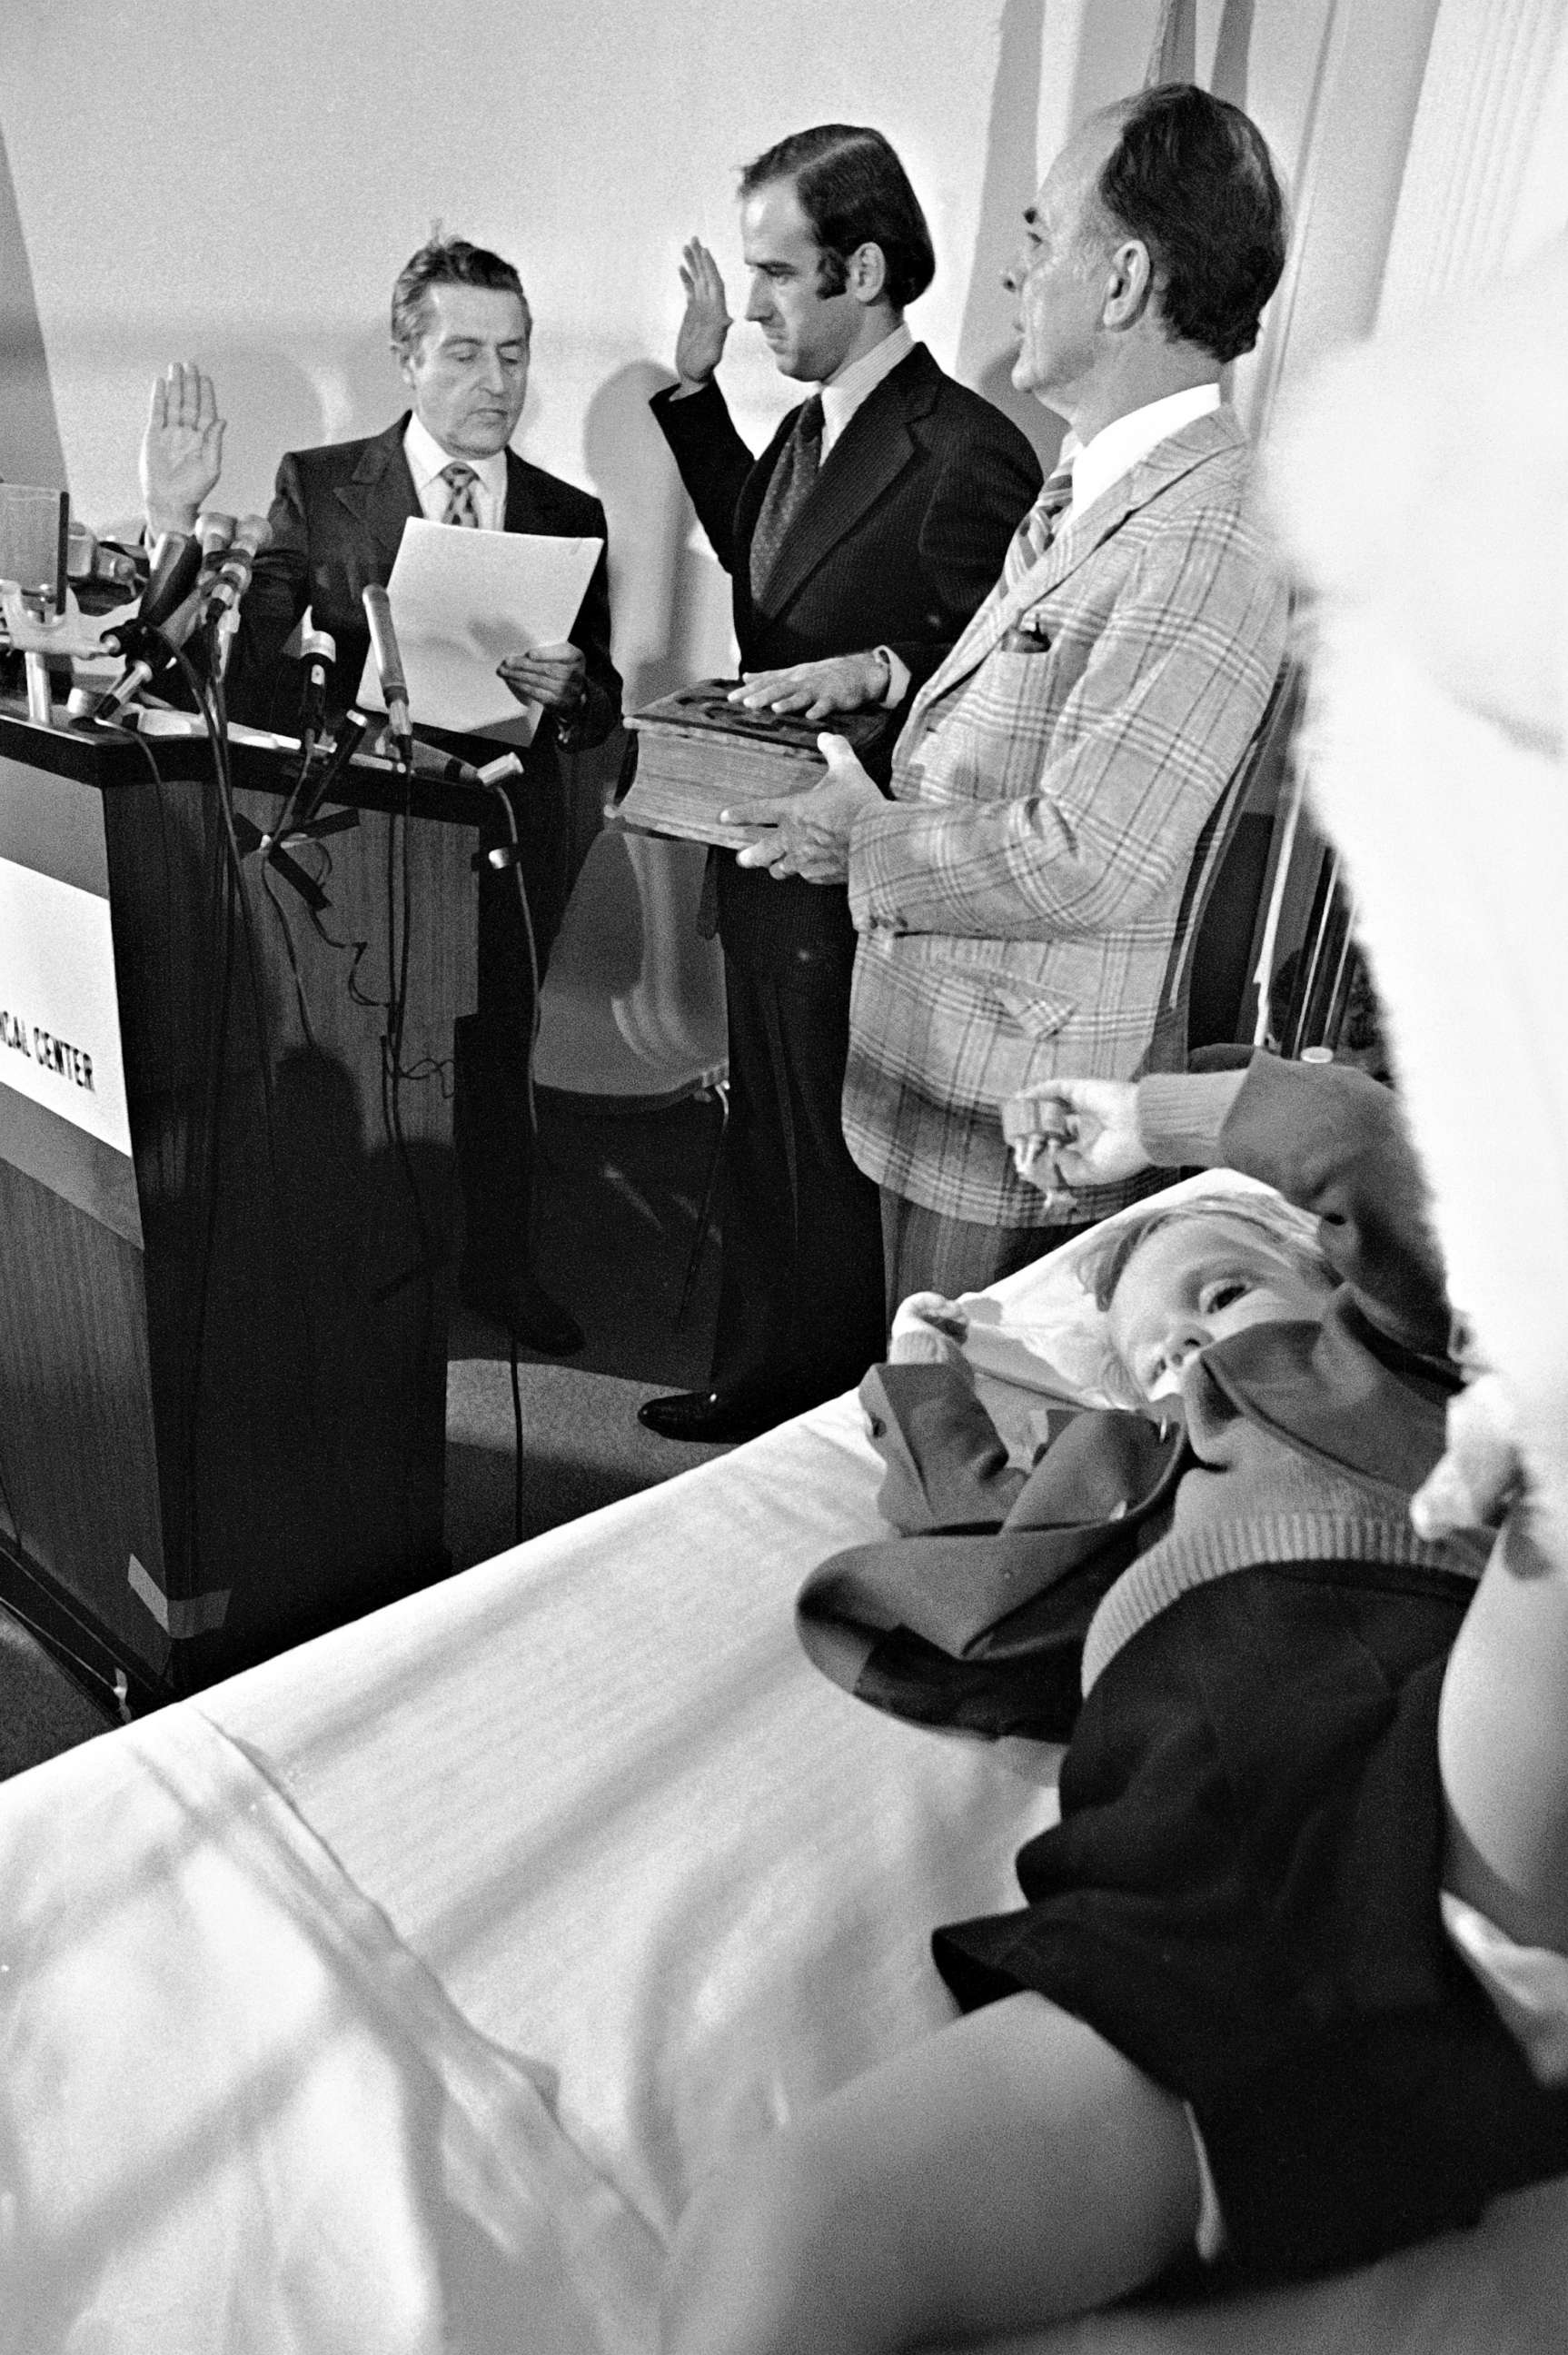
<point x="182" y="448"/>
<point x="699" y="346"/>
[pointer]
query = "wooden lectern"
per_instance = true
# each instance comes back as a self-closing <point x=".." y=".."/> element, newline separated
<point x="226" y="1200"/>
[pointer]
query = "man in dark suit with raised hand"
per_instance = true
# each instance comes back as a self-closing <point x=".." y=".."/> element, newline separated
<point x="461" y="330"/>
<point x="859" y="545"/>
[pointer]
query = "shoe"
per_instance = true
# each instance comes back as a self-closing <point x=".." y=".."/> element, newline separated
<point x="708" y="1415"/>
<point x="521" y="1304"/>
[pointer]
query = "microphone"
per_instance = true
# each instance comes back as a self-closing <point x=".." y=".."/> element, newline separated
<point x="446" y="769"/>
<point x="175" y="568"/>
<point x="233" y="576"/>
<point x="215" y="532"/>
<point x="308" y="797"/>
<point x="389" y="671"/>
<point x="173" y="574"/>
<point x="318" y="652"/>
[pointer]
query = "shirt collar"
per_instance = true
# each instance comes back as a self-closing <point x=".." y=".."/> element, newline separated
<point x="1116" y="449"/>
<point x="427" y="458"/>
<point x="843" y="397"/>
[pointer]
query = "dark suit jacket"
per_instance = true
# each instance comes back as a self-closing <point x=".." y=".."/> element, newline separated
<point x="903" y="537"/>
<point x="338" y="519"/>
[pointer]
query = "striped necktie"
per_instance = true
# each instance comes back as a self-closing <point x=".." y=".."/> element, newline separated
<point x="1038" y="529"/>
<point x="460" y="482"/>
<point x="788" y="486"/>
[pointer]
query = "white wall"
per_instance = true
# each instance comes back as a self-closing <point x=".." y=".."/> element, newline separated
<point x="240" y="185"/>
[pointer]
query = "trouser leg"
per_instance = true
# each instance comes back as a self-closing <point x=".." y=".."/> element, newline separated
<point x="800" y="1304"/>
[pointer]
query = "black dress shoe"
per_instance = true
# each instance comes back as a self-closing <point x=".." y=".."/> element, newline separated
<point x="710" y="1416"/>
<point x="525" y="1308"/>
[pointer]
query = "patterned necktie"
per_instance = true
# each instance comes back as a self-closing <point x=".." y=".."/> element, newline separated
<point x="788" y="487"/>
<point x="460" y="481"/>
<point x="1038" y="529"/>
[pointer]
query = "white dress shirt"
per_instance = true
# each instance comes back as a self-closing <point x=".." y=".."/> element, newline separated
<point x="844" y="395"/>
<point x="426" y="458"/>
<point x="1116" y="449"/>
<point x="840" y="399"/>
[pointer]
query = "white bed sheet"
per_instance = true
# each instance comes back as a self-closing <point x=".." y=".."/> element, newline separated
<point x="524" y="1902"/>
<point x="597" y="1789"/>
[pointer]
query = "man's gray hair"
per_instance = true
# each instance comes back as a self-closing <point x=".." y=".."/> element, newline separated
<point x="449" y="262"/>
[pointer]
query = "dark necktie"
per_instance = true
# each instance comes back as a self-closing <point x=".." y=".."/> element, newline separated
<point x="1038" y="529"/>
<point x="788" y="487"/>
<point x="460" y="482"/>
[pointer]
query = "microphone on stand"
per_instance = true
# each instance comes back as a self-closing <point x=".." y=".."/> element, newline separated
<point x="233" y="576"/>
<point x="351" y="732"/>
<point x="173" y="574"/>
<point x="175" y="568"/>
<point x="318" y="652"/>
<point x="215" y="532"/>
<point x="446" y="769"/>
<point x="389" y="671"/>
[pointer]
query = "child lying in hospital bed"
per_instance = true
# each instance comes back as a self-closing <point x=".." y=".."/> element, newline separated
<point x="1254" y="2007"/>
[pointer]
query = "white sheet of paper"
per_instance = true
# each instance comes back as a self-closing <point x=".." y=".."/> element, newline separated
<point x="463" y="599"/>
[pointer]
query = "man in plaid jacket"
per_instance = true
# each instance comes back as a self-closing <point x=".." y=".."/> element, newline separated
<point x="1018" y="897"/>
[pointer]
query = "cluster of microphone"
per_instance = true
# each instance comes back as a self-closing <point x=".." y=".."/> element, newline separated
<point x="194" y="587"/>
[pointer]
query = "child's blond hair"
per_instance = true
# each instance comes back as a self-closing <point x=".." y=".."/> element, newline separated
<point x="1292" y="1231"/>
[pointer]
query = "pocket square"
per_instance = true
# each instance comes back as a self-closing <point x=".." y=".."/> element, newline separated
<point x="1026" y="639"/>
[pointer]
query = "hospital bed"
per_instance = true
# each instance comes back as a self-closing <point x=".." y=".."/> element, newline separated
<point x="393" y="1995"/>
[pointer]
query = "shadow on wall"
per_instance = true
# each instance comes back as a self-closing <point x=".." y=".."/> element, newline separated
<point x="1229" y="77"/>
<point x="670" y="596"/>
<point x="270" y="396"/>
<point x="1178" y="58"/>
<point x="986" y="341"/>
<point x="30" y="448"/>
<point x="291" y="393"/>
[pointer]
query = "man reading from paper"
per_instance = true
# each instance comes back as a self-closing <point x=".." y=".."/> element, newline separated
<point x="461" y="329"/>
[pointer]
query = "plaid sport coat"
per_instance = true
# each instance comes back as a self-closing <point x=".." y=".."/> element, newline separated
<point x="1017" y="899"/>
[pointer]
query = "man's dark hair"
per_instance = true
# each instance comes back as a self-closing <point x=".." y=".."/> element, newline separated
<point x="1192" y="175"/>
<point x="449" y="262"/>
<point x="854" y="191"/>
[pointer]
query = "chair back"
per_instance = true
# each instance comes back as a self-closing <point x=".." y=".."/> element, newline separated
<point x="632" y="1012"/>
<point x="1215" y="923"/>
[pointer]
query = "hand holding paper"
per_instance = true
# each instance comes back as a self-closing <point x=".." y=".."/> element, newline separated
<point x="482" y="619"/>
<point x="555" y="676"/>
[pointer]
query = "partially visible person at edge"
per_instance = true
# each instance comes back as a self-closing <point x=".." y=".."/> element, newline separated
<point x="461" y="333"/>
<point x="1017" y="900"/>
<point x="859" y="543"/>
